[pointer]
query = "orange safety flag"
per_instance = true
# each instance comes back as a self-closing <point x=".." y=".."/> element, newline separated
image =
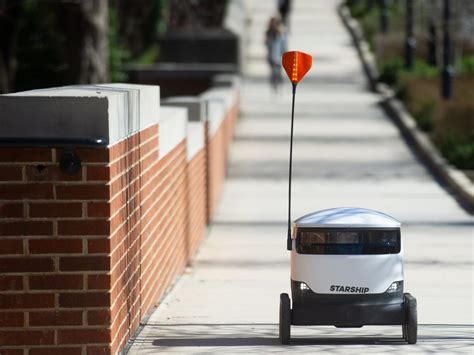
<point x="296" y="65"/>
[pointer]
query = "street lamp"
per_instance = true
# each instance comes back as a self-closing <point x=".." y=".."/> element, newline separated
<point x="448" y="70"/>
<point x="410" y="40"/>
<point x="384" y="16"/>
<point x="432" y="42"/>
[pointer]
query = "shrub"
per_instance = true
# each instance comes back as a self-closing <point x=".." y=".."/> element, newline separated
<point x="390" y="72"/>
<point x="459" y="151"/>
<point x="467" y="65"/>
<point x="424" y="116"/>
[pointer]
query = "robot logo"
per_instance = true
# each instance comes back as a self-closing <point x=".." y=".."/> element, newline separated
<point x="351" y="289"/>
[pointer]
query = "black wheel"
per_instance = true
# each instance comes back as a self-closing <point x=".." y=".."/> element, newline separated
<point x="285" y="319"/>
<point x="410" y="333"/>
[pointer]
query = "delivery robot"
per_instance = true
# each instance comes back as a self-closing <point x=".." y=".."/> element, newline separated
<point x="346" y="263"/>
<point x="347" y="271"/>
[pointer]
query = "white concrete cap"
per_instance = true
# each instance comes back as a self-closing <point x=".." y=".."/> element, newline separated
<point x="225" y="94"/>
<point x="347" y="217"/>
<point x="195" y="105"/>
<point x="218" y="103"/>
<point x="195" y="141"/>
<point x="226" y="80"/>
<point x="144" y="101"/>
<point x="109" y="111"/>
<point x="173" y="128"/>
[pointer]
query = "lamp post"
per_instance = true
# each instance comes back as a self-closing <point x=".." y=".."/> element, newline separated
<point x="448" y="70"/>
<point x="432" y="42"/>
<point x="410" y="41"/>
<point x="384" y="16"/>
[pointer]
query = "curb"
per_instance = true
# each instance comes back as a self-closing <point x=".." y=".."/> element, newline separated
<point x="450" y="177"/>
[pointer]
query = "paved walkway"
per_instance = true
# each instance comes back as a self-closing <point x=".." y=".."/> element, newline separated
<point x="347" y="153"/>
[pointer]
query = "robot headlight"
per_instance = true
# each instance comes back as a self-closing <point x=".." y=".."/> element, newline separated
<point x="395" y="286"/>
<point x="304" y="287"/>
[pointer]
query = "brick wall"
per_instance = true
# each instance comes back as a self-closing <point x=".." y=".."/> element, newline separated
<point x="54" y="258"/>
<point x="218" y="150"/>
<point x="84" y="257"/>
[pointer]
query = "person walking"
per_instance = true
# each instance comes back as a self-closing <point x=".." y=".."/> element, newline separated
<point x="284" y="8"/>
<point x="275" y="40"/>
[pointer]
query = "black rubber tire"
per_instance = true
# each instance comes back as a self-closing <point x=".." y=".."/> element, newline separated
<point x="285" y="319"/>
<point x="411" y="325"/>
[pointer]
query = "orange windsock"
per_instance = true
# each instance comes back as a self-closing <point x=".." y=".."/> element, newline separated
<point x="296" y="65"/>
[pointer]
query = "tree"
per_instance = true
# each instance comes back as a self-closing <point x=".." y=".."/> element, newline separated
<point x="10" y="12"/>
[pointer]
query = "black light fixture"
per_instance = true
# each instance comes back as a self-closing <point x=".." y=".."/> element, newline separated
<point x="69" y="163"/>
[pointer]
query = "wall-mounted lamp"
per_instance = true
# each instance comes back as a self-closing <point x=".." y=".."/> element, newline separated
<point x="70" y="163"/>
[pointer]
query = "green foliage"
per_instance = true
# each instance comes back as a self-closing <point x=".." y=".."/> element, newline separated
<point x="467" y="65"/>
<point x="424" y="116"/>
<point x="150" y="56"/>
<point x="390" y="72"/>
<point x="393" y="71"/>
<point x="117" y="53"/>
<point x="357" y="8"/>
<point x="422" y="70"/>
<point x="459" y="151"/>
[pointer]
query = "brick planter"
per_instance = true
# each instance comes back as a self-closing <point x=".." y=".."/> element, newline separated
<point x="85" y="256"/>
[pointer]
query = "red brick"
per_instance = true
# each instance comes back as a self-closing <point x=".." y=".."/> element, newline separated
<point x="84" y="336"/>
<point x="54" y="210"/>
<point x="11" y="246"/>
<point x="50" y="173"/>
<point x="84" y="263"/>
<point x="56" y="351"/>
<point x="11" y="173"/>
<point x="98" y="209"/>
<point x="147" y="133"/>
<point x="11" y="351"/>
<point x="56" y="282"/>
<point x="11" y="210"/>
<point x="26" y="228"/>
<point x="99" y="317"/>
<point x="55" y="246"/>
<point x="98" y="246"/>
<point x="29" y="337"/>
<point x="99" y="350"/>
<point x="11" y="283"/>
<point x="83" y="227"/>
<point x="26" y="264"/>
<point x="91" y="155"/>
<point x="81" y="300"/>
<point x="81" y="192"/>
<point x="25" y="155"/>
<point x="26" y="192"/>
<point x="11" y="319"/>
<point x="98" y="173"/>
<point x="55" y="318"/>
<point x="24" y="300"/>
<point x="98" y="282"/>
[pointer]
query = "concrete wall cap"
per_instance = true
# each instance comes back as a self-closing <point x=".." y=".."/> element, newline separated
<point x="173" y="128"/>
<point x="110" y="112"/>
<point x="195" y="141"/>
<point x="195" y="105"/>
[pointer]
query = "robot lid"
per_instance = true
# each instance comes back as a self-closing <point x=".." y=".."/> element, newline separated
<point x="347" y="217"/>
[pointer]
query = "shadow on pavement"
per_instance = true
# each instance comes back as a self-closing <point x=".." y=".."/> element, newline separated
<point x="261" y="341"/>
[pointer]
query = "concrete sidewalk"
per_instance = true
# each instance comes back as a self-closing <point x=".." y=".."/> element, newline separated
<point x="347" y="153"/>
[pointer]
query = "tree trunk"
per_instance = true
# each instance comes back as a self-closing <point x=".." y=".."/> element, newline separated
<point x="10" y="11"/>
<point x="94" y="50"/>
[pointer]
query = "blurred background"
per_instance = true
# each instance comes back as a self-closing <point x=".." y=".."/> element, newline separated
<point x="424" y="49"/>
